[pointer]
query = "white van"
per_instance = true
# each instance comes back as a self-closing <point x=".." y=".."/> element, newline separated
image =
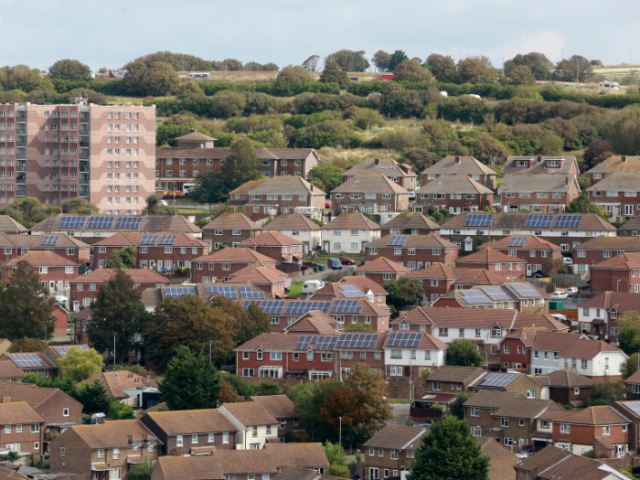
<point x="188" y="188"/>
<point x="311" y="286"/>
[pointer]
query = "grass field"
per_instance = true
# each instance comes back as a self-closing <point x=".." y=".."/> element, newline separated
<point x="296" y="289"/>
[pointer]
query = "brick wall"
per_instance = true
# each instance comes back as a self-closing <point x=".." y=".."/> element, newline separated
<point x="382" y="277"/>
<point x="423" y="256"/>
<point x="227" y="237"/>
<point x="398" y="202"/>
<point x="54" y="274"/>
<point x="154" y="254"/>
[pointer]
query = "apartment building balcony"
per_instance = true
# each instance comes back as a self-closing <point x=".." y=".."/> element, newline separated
<point x="21" y="118"/>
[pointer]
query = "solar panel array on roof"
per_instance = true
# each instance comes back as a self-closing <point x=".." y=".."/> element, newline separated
<point x="100" y="222"/>
<point x="351" y="291"/>
<point x="525" y="290"/>
<point x="229" y="292"/>
<point x="128" y="222"/>
<point x="62" y="351"/>
<point x="633" y="406"/>
<point x="300" y="308"/>
<point x="72" y="222"/>
<point x="397" y="240"/>
<point x="568" y="221"/>
<point x="179" y="291"/>
<point x="543" y="221"/>
<point x="346" y="306"/>
<point x="496" y="293"/>
<point x="474" y="296"/>
<point x="517" y="242"/>
<point x="478" y="220"/>
<point x="149" y="239"/>
<point x="24" y="360"/>
<point x="497" y="380"/>
<point x="267" y="306"/>
<point x="321" y="342"/>
<point x="409" y="340"/>
<point x="357" y="340"/>
<point x="50" y="240"/>
<point x="167" y="239"/>
<point x="248" y="292"/>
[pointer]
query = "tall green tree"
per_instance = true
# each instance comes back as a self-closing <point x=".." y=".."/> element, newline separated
<point x="332" y="73"/>
<point x="574" y="69"/>
<point x="444" y="68"/>
<point x="337" y="460"/>
<point x="349" y="60"/>
<point x="190" y="382"/>
<point x="25" y="306"/>
<point x="123" y="258"/>
<point x="412" y="71"/>
<point x="450" y="452"/>
<point x="329" y="176"/>
<point x="464" y="353"/>
<point x="80" y="364"/>
<point x="403" y="292"/>
<point x="396" y="59"/>
<point x="381" y="60"/>
<point x="478" y="240"/>
<point x="476" y="70"/>
<point x="456" y="407"/>
<point x="582" y="204"/>
<point x="294" y="74"/>
<point x="70" y="70"/>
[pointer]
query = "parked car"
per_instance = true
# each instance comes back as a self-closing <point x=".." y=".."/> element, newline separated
<point x="334" y="264"/>
<point x="311" y="286"/>
<point x="558" y="317"/>
<point x="572" y="291"/>
<point x="412" y="194"/>
<point x="559" y="295"/>
<point x="539" y="274"/>
<point x="327" y="204"/>
<point x="346" y="261"/>
<point x="567" y="260"/>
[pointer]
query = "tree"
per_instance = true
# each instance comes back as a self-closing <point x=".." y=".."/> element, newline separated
<point x="476" y="70"/>
<point x="27" y="345"/>
<point x="464" y="353"/>
<point x="179" y="61"/>
<point x="574" y="69"/>
<point x="551" y="144"/>
<point x="190" y="382"/>
<point x="227" y="103"/>
<point x="70" y="70"/>
<point x="555" y="265"/>
<point x="403" y="292"/>
<point x="311" y="63"/>
<point x="21" y="77"/>
<point x="294" y="74"/>
<point x="396" y="59"/>
<point x="93" y="397"/>
<point x="629" y="332"/>
<point x="228" y="394"/>
<point x="25" y="306"/>
<point x="160" y="79"/>
<point x="118" y="312"/>
<point x="80" y="364"/>
<point x="450" y="452"/>
<point x="79" y="205"/>
<point x="597" y="151"/>
<point x="519" y="75"/>
<point x="359" y="327"/>
<point x="121" y="411"/>
<point x="381" y="60"/>
<point x="349" y="60"/>
<point x="606" y="393"/>
<point x="412" y="71"/>
<point x="330" y="176"/>
<point x="154" y="205"/>
<point x="239" y="385"/>
<point x="478" y="240"/>
<point x="629" y="366"/>
<point x="582" y="204"/>
<point x="332" y="73"/>
<point x="456" y="408"/>
<point x="537" y="63"/>
<point x="124" y="258"/>
<point x="337" y="460"/>
<point x="133" y="82"/>
<point x="140" y="471"/>
<point x="266" y="389"/>
<point x="249" y="324"/>
<point x="443" y="68"/>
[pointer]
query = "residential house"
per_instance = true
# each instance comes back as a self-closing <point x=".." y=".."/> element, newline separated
<point x="602" y="248"/>
<point x="540" y="193"/>
<point x="299" y="227"/>
<point x="542" y="165"/>
<point x="254" y="424"/>
<point x="240" y="196"/>
<point x="456" y="193"/>
<point x="351" y="286"/>
<point x="106" y="451"/>
<point x="406" y="355"/>
<point x="449" y="380"/>
<point x="566" y="388"/>
<point x="192" y="432"/>
<point x="476" y="277"/>
<point x="9" y="225"/>
<point x="630" y="410"/>
<point x="391" y="451"/>
<point x="35" y="363"/>
<point x="349" y="233"/>
<point x="10" y="372"/>
<point x="410" y="223"/>
<point x="540" y="461"/>
<point x="460" y="165"/>
<point x="381" y="270"/>
<point x="266" y="278"/>
<point x="283" y="409"/>
<point x="164" y="251"/>
<point x="374" y="194"/>
<point x="615" y="164"/>
<point x="277" y="246"/>
<point x="21" y="428"/>
<point x="353" y="348"/>
<point x="620" y="274"/>
<point x="414" y="251"/>
<point x="522" y="297"/>
<point x="510" y="382"/>
<point x="282" y="195"/>
<point x="599" y="315"/>
<point x="535" y="251"/>
<point x="222" y="263"/>
<point x="85" y="288"/>
<point x="314" y="322"/>
<point x="229" y="229"/>
<point x="617" y="194"/>
<point x="631" y="228"/>
<point x="436" y="280"/>
<point x="295" y="473"/>
<point x="634" y="382"/>
<point x="81" y="320"/>
<point x="124" y="386"/>
<point x="55" y="271"/>
<point x="512" y="268"/>
<point x="14" y="245"/>
<point x="502" y="460"/>
<point x="514" y="348"/>
<point x="399" y="173"/>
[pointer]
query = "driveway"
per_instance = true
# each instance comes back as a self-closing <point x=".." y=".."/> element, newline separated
<point x="400" y="414"/>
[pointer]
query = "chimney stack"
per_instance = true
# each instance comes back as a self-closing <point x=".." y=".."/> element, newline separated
<point x="623" y="159"/>
<point x="566" y="182"/>
<point x="539" y="157"/>
<point x="457" y="160"/>
<point x="192" y="130"/>
<point x="311" y="187"/>
<point x="376" y="162"/>
<point x="129" y="438"/>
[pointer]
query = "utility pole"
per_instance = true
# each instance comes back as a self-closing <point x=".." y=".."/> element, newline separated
<point x="225" y="67"/>
<point x="577" y="72"/>
<point x="114" y="350"/>
<point x="340" y="433"/>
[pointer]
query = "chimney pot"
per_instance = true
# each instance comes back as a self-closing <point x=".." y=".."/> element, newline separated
<point x="129" y="438"/>
<point x="312" y="187"/>
<point x="566" y="182"/>
<point x="192" y="130"/>
<point x="457" y="159"/>
<point x="539" y="159"/>
<point x="624" y="159"/>
<point x="376" y="162"/>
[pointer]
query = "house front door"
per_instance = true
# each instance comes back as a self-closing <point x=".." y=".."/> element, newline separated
<point x="529" y="269"/>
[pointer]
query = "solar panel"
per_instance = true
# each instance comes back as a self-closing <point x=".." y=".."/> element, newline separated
<point x="304" y="341"/>
<point x="474" y="296"/>
<point x="496" y="293"/>
<point x="267" y="306"/>
<point x="351" y="291"/>
<point x="72" y="222"/>
<point x="302" y="307"/>
<point x="149" y="239"/>
<point x="357" y="340"/>
<point x="543" y="221"/>
<point x="397" y="240"/>
<point x="478" y="220"/>
<point x="346" y="306"/>
<point x="24" y="360"/>
<point x="321" y="342"/>
<point x="229" y="292"/>
<point x="128" y="222"/>
<point x="247" y="292"/>
<point x="568" y="221"/>
<point x="633" y="406"/>
<point x="497" y="380"/>
<point x="100" y="222"/>
<point x="50" y="240"/>
<point x="62" y="351"/>
<point x="525" y="290"/>
<point x="167" y="239"/>
<point x="176" y="292"/>
<point x="517" y="242"/>
<point x="326" y="343"/>
<point x="409" y="340"/>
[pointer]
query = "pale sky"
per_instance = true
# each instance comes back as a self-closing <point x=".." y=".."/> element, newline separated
<point x="112" y="32"/>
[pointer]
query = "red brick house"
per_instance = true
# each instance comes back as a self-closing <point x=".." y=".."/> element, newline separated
<point x="618" y="194"/>
<point x="277" y="246"/>
<point x="280" y="195"/>
<point x="381" y="270"/>
<point x="222" y="263"/>
<point x="374" y="194"/>
<point x="391" y="451"/>
<point x="511" y="267"/>
<point x="436" y="280"/>
<point x="456" y="193"/>
<point x="461" y="165"/>
<point x="472" y="277"/>
<point x="414" y="251"/>
<point x="566" y="387"/>
<point x="410" y="223"/>
<point x="368" y="286"/>
<point x="538" y="193"/>
<point x="34" y="362"/>
<point x="614" y="164"/>
<point x="266" y="278"/>
<point x="363" y="287"/>
<point x="85" y="288"/>
<point x="542" y="165"/>
<point x="21" y="429"/>
<point x="599" y="315"/>
<point x="370" y="353"/>
<point x="399" y="173"/>
<point x="618" y="274"/>
<point x="240" y="196"/>
<point x="522" y="297"/>
<point x="12" y="246"/>
<point x="229" y="229"/>
<point x="601" y="248"/>
<point x="514" y="348"/>
<point x="56" y="272"/>
<point x="534" y="250"/>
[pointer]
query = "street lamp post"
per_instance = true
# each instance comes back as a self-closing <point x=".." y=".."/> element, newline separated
<point x="618" y="285"/>
<point x="340" y="433"/>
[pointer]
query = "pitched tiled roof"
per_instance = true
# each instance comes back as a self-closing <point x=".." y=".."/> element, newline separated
<point x="397" y="437"/>
<point x="386" y="166"/>
<point x="489" y="255"/>
<point x="194" y="135"/>
<point x="42" y="258"/>
<point x="635" y="378"/>
<point x="138" y="275"/>
<point x="436" y="271"/>
<point x="370" y="184"/>
<point x="511" y="287"/>
<point x="511" y="404"/>
<point x="297" y="454"/>
<point x="26" y="392"/>
<point x="315" y="322"/>
<point x="16" y="413"/>
<point x="536" y="183"/>
<point x="537" y="320"/>
<point x="454" y="184"/>
<point x="45" y="360"/>
<point x="411" y="220"/>
<point x="451" y="373"/>
<point x="235" y="255"/>
<point x="603" y="415"/>
<point x="383" y="265"/>
<point x="122" y="239"/>
<point x="477" y="276"/>
<point x="378" y="347"/>
<point x="364" y="283"/>
<point x="113" y="434"/>
<point x="246" y="187"/>
<point x="502" y="460"/>
<point x="277" y="405"/>
<point x="270" y="239"/>
<point x="602" y="242"/>
<point x="115" y="382"/>
<point x="532" y="243"/>
<point x="349" y="221"/>
<point x="250" y="413"/>
<point x="232" y="221"/>
<point x="9" y="370"/>
<point x="622" y="302"/>
<point x="517" y="221"/>
<point x="491" y="399"/>
<point x="563" y="378"/>
<point x="462" y="318"/>
<point x="625" y="261"/>
<point x="543" y="458"/>
<point x="465" y="166"/>
<point x="258" y="274"/>
<point x="149" y="224"/>
<point x="295" y="473"/>
<point x="571" y="345"/>
<point x="192" y="421"/>
<point x="618" y="182"/>
<point x="35" y="241"/>
<point x="539" y="165"/>
<point x="614" y="164"/>
<point x="285" y="186"/>
<point x="292" y="221"/>
<point x="575" y="467"/>
<point x="416" y="241"/>
<point x="270" y="342"/>
<point x="8" y="474"/>
<point x="9" y="225"/>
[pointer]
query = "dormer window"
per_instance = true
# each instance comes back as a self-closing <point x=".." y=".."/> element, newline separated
<point x="522" y="164"/>
<point x="553" y="163"/>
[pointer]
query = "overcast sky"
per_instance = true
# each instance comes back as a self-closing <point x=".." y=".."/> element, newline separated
<point x="111" y="33"/>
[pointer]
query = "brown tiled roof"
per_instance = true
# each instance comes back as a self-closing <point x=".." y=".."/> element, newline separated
<point x="563" y="378"/>
<point x="538" y="165"/>
<point x="42" y="258"/>
<point x="622" y="302"/>
<point x="232" y="221"/>
<point x="297" y="454"/>
<point x="536" y="183"/>
<point x="491" y="399"/>
<point x="246" y="187"/>
<point x="277" y="405"/>
<point x="250" y="413"/>
<point x="151" y="297"/>
<point x="295" y="473"/>
<point x="114" y="382"/>
<point x="192" y="421"/>
<point x="9" y="225"/>
<point x="397" y="437"/>
<point x="35" y="241"/>
<point x="437" y="270"/>
<point x="195" y="136"/>
<point x="223" y="152"/>
<point x="8" y="474"/>
<point x="270" y="342"/>
<point x="129" y="238"/>
<point x="16" y="413"/>
<point x="536" y="321"/>
<point x="604" y="415"/>
<point x="429" y="342"/>
<point x="416" y="241"/>
<point x="454" y="184"/>
<point x="511" y="404"/>
<point x="411" y="220"/>
<point x="624" y="261"/>
<point x="160" y="407"/>
<point x="369" y="167"/>
<point x="285" y="186"/>
<point x="149" y="224"/>
<point x="462" y="318"/>
<point x="270" y="239"/>
<point x="575" y="467"/>
<point x="543" y="459"/>
<point x="258" y="274"/>
<point x="489" y="255"/>
<point x="9" y="370"/>
<point x="452" y="373"/>
<point x="235" y="255"/>
<point x="571" y="345"/>
<point x="532" y="243"/>
<point x="26" y="392"/>
<point x="315" y="322"/>
<point x="366" y="284"/>
<point x="635" y="378"/>
<point x="502" y="460"/>
<point x="602" y="242"/>
<point x="333" y="289"/>
<point x="382" y="264"/>
<point x="517" y="221"/>
<point x="614" y="164"/>
<point x="348" y="221"/>
<point x="618" y="182"/>
<point x="370" y="184"/>
<point x="467" y="166"/>
<point x="113" y="434"/>
<point x="477" y="276"/>
<point x="138" y="275"/>
<point x="292" y="221"/>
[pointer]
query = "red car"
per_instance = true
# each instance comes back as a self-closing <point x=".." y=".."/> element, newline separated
<point x="327" y="204"/>
<point x="346" y="261"/>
